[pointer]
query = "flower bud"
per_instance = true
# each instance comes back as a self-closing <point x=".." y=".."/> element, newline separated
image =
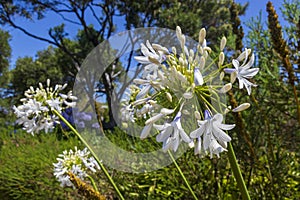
<point x="222" y="74"/>
<point x="188" y="95"/>
<point x="223" y="43"/>
<point x="174" y="50"/>
<point x="241" y="107"/>
<point x="202" y="63"/>
<point x="169" y="96"/>
<point x="221" y="59"/>
<point x="226" y="88"/>
<point x="182" y="41"/>
<point x="202" y="35"/>
<point x="186" y="112"/>
<point x="178" y="32"/>
<point x="197" y="115"/>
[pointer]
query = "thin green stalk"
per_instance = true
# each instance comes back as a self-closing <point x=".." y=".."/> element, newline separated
<point x="93" y="183"/>
<point x="237" y="173"/>
<point x="92" y="152"/>
<point x="182" y="175"/>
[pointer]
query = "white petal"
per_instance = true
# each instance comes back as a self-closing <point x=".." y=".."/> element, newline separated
<point x="236" y="64"/>
<point x="226" y="126"/>
<point x="175" y="142"/>
<point x="184" y="136"/>
<point x="159" y="127"/>
<point x="198" y="132"/>
<point x="154" y="119"/>
<point x="144" y="91"/>
<point x="146" y="131"/>
<point x="197" y="149"/>
<point x="150" y="47"/>
<point x="218" y="117"/>
<point x="140" y="81"/>
<point x="166" y="111"/>
<point x="250" y="63"/>
<point x="249" y="73"/>
<point x="198" y="79"/>
<point x="241" y="82"/>
<point x="145" y="50"/>
<point x="142" y="59"/>
<point x="206" y="141"/>
<point x="220" y="135"/>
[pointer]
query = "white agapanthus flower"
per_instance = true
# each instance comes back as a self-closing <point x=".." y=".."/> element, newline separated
<point x="35" y="112"/>
<point x="171" y="134"/>
<point x="79" y="162"/>
<point x="243" y="72"/>
<point x="210" y="134"/>
<point x="151" y="58"/>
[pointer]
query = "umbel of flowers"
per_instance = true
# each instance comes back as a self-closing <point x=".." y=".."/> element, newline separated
<point x="171" y="84"/>
<point x="79" y="162"/>
<point x="35" y="112"/>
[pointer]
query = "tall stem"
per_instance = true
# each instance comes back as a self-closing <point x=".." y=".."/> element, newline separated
<point x="182" y="175"/>
<point x="92" y="152"/>
<point x="237" y="173"/>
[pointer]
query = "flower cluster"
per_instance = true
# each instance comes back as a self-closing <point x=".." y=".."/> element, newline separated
<point x="177" y="82"/>
<point x="35" y="112"/>
<point x="78" y="162"/>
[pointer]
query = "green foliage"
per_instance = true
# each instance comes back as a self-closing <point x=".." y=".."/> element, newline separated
<point x="190" y="15"/>
<point x="5" y="53"/>
<point x="5" y="50"/>
<point x="29" y="72"/>
<point x="26" y="170"/>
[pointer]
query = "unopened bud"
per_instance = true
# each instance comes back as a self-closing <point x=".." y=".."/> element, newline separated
<point x="221" y="59"/>
<point x="223" y="43"/>
<point x="226" y="88"/>
<point x="174" y="50"/>
<point x="222" y="74"/>
<point x="202" y="63"/>
<point x="178" y="33"/>
<point x="241" y="107"/>
<point x="169" y="96"/>
<point x="202" y="35"/>
<point x="188" y="95"/>
<point x="197" y="115"/>
<point x="186" y="112"/>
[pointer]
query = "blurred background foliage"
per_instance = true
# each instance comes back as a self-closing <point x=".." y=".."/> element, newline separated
<point x="266" y="139"/>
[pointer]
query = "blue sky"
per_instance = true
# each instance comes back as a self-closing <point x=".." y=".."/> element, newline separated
<point x="23" y="45"/>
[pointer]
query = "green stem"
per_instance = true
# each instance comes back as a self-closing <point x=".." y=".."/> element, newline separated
<point x="182" y="175"/>
<point x="93" y="183"/>
<point x="237" y="173"/>
<point x="92" y="152"/>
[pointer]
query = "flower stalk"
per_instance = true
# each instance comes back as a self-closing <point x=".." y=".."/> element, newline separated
<point x="237" y="173"/>
<point x="182" y="175"/>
